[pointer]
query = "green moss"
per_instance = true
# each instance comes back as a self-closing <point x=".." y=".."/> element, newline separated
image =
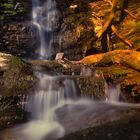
<point x="118" y="73"/>
<point x="53" y="64"/>
<point x="16" y="63"/>
<point x="135" y="25"/>
<point x="80" y="15"/>
<point x="8" y="10"/>
<point x="106" y="61"/>
<point x="17" y="78"/>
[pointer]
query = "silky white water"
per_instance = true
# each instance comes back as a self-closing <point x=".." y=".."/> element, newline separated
<point x="42" y="106"/>
<point x="45" y="17"/>
<point x="114" y="92"/>
<point x="56" y="109"/>
<point x="53" y="93"/>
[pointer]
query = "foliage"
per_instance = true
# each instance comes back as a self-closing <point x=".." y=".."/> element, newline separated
<point x="9" y="9"/>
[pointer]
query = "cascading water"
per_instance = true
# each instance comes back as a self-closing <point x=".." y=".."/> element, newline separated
<point x="52" y="109"/>
<point x="45" y="17"/>
<point x="42" y="105"/>
<point x="113" y="93"/>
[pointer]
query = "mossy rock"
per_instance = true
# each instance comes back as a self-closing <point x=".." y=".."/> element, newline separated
<point x="17" y="78"/>
<point x="116" y="71"/>
<point x="91" y="87"/>
<point x="16" y="63"/>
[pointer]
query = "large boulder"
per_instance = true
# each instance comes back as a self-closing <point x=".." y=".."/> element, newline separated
<point x="123" y="125"/>
<point x="16" y="80"/>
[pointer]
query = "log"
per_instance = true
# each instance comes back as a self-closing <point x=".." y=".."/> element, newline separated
<point x="129" y="58"/>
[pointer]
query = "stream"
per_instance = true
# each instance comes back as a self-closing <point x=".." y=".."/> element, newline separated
<point x="56" y="109"/>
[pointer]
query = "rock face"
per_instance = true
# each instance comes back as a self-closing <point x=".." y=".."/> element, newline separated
<point x="76" y="34"/>
<point x="18" y="36"/>
<point x="16" y="76"/>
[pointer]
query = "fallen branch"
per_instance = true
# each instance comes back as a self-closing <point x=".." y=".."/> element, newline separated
<point x="121" y="37"/>
<point x="131" y="15"/>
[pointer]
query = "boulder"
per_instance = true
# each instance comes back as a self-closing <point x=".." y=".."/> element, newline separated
<point x="16" y="82"/>
<point x="113" y="128"/>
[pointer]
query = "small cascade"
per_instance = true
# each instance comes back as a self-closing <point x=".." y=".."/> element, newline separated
<point x="45" y="17"/>
<point x="52" y="93"/>
<point x="113" y="93"/>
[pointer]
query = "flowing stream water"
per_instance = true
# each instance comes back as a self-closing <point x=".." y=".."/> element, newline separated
<point x="55" y="108"/>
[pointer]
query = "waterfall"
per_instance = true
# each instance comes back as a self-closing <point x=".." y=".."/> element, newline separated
<point x="52" y="94"/>
<point x="54" y="109"/>
<point x="114" y="92"/>
<point x="45" y="17"/>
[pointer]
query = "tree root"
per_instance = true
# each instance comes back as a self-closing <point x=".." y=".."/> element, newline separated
<point x="129" y="58"/>
<point x="106" y="26"/>
<point x="121" y="37"/>
<point x="131" y="15"/>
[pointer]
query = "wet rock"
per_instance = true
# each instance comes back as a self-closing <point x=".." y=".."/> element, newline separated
<point x="91" y="87"/>
<point x="90" y="82"/>
<point x="114" y="129"/>
<point x="74" y="34"/>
